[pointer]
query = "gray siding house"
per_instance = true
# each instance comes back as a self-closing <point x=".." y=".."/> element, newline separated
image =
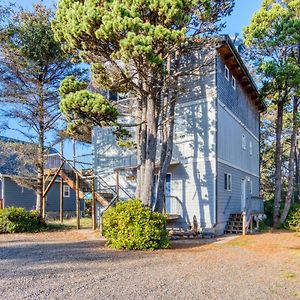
<point x="12" y="194"/>
<point x="215" y="167"/>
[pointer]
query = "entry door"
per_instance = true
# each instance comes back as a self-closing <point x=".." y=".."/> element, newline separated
<point x="243" y="194"/>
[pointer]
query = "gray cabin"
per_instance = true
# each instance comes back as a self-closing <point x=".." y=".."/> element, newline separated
<point x="214" y="175"/>
<point x="13" y="194"/>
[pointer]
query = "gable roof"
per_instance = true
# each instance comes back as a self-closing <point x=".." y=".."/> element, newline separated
<point x="9" y="164"/>
<point x="233" y="60"/>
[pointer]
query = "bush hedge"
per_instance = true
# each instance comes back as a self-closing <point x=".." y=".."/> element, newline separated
<point x="292" y="221"/>
<point x="130" y="225"/>
<point x="16" y="219"/>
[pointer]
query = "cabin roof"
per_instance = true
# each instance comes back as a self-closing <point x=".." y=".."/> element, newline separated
<point x="233" y="60"/>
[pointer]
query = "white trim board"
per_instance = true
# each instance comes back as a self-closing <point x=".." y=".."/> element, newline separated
<point x="238" y="120"/>
<point x="236" y="167"/>
<point x="209" y="99"/>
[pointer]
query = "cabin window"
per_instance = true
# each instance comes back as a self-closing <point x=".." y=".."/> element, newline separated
<point x="66" y="191"/>
<point x="250" y="148"/>
<point x="243" y="142"/>
<point x="233" y="82"/>
<point x="226" y="73"/>
<point x="227" y="182"/>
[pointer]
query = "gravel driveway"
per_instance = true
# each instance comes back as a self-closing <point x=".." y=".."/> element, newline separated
<point x="75" y="265"/>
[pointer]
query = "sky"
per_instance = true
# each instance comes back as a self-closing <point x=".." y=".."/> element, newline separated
<point x="239" y="18"/>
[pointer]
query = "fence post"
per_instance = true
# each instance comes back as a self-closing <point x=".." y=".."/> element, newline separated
<point x="93" y="205"/>
<point x="244" y="223"/>
<point x="77" y="202"/>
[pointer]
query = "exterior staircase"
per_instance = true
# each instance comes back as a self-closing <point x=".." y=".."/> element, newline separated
<point x="58" y="166"/>
<point x="235" y="224"/>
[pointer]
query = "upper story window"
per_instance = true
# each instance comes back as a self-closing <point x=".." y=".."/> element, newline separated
<point x="226" y="73"/>
<point x="250" y="148"/>
<point x="251" y="187"/>
<point x="66" y="191"/>
<point x="227" y="181"/>
<point x="243" y="142"/>
<point x="233" y="82"/>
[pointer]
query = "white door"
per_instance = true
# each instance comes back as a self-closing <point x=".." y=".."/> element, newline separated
<point x="243" y="194"/>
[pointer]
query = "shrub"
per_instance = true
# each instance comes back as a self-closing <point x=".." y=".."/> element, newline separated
<point x="130" y="225"/>
<point x="292" y="221"/>
<point x="16" y="219"/>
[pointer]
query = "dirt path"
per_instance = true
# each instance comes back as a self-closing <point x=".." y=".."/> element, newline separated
<point x="75" y="265"/>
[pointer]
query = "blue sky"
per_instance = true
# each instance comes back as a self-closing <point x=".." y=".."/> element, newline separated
<point x="235" y="22"/>
<point x="239" y="18"/>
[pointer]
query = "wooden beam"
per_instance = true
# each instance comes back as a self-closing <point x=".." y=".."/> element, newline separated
<point x="93" y="205"/>
<point x="61" y="201"/>
<point x="77" y="202"/>
<point x="53" y="180"/>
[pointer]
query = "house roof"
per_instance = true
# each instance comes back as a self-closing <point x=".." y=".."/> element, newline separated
<point x="9" y="164"/>
<point x="233" y="60"/>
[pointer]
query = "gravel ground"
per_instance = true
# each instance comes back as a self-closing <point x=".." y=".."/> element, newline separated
<point x="76" y="265"/>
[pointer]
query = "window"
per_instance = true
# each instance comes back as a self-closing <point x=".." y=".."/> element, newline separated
<point x="227" y="182"/>
<point x="226" y="73"/>
<point x="250" y="148"/>
<point x="251" y="187"/>
<point x="66" y="191"/>
<point x="243" y="142"/>
<point x="233" y="82"/>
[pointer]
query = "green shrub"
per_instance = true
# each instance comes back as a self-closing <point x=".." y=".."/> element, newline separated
<point x="16" y="219"/>
<point x="130" y="225"/>
<point x="292" y="221"/>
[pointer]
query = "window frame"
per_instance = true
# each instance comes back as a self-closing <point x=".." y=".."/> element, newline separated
<point x="244" y="142"/>
<point x="250" y="148"/>
<point x="68" y="194"/>
<point x="227" y="74"/>
<point x="233" y="82"/>
<point x="228" y="182"/>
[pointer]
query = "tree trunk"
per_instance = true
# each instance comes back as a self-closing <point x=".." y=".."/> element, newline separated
<point x="166" y="157"/>
<point x="278" y="163"/>
<point x="290" y="191"/>
<point x="147" y="183"/>
<point x="297" y="173"/>
<point x="40" y="205"/>
<point x="40" y="175"/>
<point x="141" y="153"/>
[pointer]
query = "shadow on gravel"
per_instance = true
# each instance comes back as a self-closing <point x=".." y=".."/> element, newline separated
<point x="84" y="251"/>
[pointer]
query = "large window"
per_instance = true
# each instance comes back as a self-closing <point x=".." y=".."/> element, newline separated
<point x="227" y="182"/>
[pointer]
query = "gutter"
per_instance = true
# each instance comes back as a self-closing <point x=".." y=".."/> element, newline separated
<point x="226" y="39"/>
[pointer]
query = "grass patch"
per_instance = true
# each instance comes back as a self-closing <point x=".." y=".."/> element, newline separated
<point x="289" y="275"/>
<point x="55" y="225"/>
<point x="239" y="242"/>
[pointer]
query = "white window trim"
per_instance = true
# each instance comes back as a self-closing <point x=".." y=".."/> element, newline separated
<point x="233" y="82"/>
<point x="227" y="71"/>
<point x="244" y="142"/>
<point x="230" y="185"/>
<point x="68" y="194"/>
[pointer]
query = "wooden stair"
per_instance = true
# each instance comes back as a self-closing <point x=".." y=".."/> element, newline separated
<point x="85" y="184"/>
<point x="235" y="224"/>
